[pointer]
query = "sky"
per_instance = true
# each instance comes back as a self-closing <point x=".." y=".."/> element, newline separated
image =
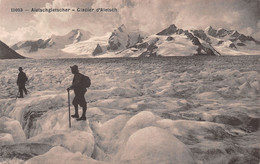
<point x="150" y="16"/>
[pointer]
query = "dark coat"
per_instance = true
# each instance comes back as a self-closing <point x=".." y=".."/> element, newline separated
<point x="22" y="78"/>
<point x="79" y="90"/>
<point x="77" y="83"/>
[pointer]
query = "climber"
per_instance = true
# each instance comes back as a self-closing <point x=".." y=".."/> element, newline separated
<point x="21" y="80"/>
<point x="79" y="91"/>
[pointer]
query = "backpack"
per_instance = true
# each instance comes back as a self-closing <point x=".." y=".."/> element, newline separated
<point x="26" y="78"/>
<point x="85" y="81"/>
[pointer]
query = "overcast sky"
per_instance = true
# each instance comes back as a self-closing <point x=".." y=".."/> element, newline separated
<point x="150" y="16"/>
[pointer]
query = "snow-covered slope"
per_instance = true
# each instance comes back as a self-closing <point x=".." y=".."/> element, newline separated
<point x="171" y="42"/>
<point x="109" y="45"/>
<point x="87" y="47"/>
<point x="8" y="53"/>
<point x="72" y="37"/>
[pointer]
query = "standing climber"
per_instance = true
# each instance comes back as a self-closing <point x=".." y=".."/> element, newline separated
<point x="21" y="80"/>
<point x="79" y="91"/>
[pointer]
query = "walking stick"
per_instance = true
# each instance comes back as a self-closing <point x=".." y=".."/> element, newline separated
<point x="16" y="95"/>
<point x="69" y="108"/>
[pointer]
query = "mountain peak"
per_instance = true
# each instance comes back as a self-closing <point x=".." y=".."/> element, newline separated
<point x="169" y="31"/>
<point x="75" y="31"/>
<point x="122" y="38"/>
<point x="221" y="32"/>
<point x="209" y="28"/>
<point x="211" y="31"/>
<point x="122" y="28"/>
<point x="173" y="26"/>
<point x="235" y="33"/>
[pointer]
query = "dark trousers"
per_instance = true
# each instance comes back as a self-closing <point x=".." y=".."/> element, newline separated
<point x="22" y="89"/>
<point x="79" y="99"/>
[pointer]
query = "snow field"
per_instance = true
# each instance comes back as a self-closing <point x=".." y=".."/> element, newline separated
<point x="179" y="46"/>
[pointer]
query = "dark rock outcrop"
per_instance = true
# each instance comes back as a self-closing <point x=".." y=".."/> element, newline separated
<point x="8" y="53"/>
<point x="141" y="45"/>
<point x="241" y="44"/>
<point x="244" y="38"/>
<point x="24" y="151"/>
<point x="232" y="45"/>
<point x="220" y="42"/>
<point x="169" y="38"/>
<point x="128" y="41"/>
<point x="98" y="50"/>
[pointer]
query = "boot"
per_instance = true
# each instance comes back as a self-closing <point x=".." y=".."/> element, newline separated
<point x="76" y="115"/>
<point x="83" y="117"/>
<point x="21" y="95"/>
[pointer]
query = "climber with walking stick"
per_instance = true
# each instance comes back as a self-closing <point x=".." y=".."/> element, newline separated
<point x="79" y="84"/>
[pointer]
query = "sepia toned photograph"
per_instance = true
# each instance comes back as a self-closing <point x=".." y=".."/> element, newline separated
<point x="129" y="81"/>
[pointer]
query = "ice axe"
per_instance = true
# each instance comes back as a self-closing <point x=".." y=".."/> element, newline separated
<point x="69" y="108"/>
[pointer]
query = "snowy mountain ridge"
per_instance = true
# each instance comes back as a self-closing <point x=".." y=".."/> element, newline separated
<point x="55" y="41"/>
<point x="233" y="35"/>
<point x="123" y="42"/>
<point x="229" y="42"/>
<point x="122" y="38"/>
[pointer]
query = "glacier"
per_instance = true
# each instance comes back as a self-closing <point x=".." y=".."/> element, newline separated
<point x="151" y="110"/>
